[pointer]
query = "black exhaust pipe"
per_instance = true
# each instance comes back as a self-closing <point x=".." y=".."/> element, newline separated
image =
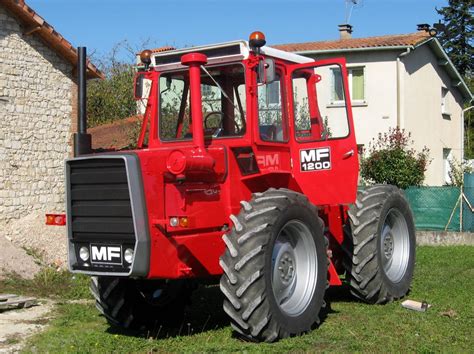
<point x="82" y="140"/>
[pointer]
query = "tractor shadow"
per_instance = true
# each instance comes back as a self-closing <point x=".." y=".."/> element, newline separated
<point x="337" y="294"/>
<point x="204" y="314"/>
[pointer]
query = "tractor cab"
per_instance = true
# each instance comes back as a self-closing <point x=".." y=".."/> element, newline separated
<point x="278" y="112"/>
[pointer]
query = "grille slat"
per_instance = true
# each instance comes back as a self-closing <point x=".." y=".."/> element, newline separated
<point x="102" y="225"/>
<point x="106" y="238"/>
<point x="117" y="192"/>
<point x="110" y="176"/>
<point x="102" y="208"/>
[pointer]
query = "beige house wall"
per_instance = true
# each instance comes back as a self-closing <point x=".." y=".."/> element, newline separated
<point x="379" y="111"/>
<point x="423" y="82"/>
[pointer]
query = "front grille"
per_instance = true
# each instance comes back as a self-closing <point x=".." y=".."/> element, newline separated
<point x="107" y="213"/>
<point x="100" y="208"/>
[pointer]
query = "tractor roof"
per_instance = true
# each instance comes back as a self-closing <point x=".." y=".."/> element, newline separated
<point x="219" y="53"/>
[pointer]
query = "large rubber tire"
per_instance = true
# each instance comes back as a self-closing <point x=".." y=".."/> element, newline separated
<point x="275" y="266"/>
<point x="138" y="304"/>
<point x="380" y="245"/>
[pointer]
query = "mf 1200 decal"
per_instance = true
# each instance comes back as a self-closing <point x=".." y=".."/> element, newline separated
<point x="315" y="159"/>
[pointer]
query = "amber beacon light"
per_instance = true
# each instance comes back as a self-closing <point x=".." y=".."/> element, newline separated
<point x="257" y="39"/>
<point x="145" y="56"/>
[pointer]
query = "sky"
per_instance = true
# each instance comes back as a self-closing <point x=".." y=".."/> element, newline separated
<point x="101" y="24"/>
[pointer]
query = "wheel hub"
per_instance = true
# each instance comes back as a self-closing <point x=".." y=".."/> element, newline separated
<point x="286" y="266"/>
<point x="388" y="245"/>
<point x="395" y="245"/>
<point x="294" y="268"/>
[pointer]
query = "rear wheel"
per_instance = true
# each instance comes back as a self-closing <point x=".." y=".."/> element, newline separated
<point x="275" y="267"/>
<point x="131" y="303"/>
<point x="380" y="245"/>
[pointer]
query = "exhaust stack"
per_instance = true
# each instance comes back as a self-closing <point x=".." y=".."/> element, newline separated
<point x="82" y="140"/>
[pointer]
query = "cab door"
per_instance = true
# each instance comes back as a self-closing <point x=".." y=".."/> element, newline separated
<point x="271" y="130"/>
<point x="323" y="144"/>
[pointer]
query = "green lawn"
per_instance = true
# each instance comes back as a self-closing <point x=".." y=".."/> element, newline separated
<point x="444" y="277"/>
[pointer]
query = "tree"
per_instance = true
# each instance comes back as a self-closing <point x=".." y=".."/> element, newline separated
<point x="112" y="98"/>
<point x="456" y="172"/>
<point x="391" y="160"/>
<point x="457" y="37"/>
<point x="457" y="40"/>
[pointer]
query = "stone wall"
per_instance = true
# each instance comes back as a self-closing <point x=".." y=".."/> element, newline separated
<point x="36" y="90"/>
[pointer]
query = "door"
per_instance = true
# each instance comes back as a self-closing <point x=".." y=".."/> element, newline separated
<point x="324" y="150"/>
<point x="272" y="128"/>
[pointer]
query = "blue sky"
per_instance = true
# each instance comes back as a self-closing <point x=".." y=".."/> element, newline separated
<point x="99" y="24"/>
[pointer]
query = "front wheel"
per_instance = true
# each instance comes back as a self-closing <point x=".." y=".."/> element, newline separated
<point x="275" y="267"/>
<point x="136" y="304"/>
<point x="380" y="245"/>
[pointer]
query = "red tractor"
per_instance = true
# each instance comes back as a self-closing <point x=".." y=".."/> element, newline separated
<point x="246" y="170"/>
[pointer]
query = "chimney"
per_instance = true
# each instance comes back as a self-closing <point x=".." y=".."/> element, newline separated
<point x="423" y="27"/>
<point x="345" y="31"/>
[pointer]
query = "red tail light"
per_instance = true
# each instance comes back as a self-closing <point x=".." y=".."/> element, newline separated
<point x="56" y="219"/>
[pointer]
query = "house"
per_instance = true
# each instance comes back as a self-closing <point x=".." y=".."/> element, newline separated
<point x="398" y="80"/>
<point x="37" y="111"/>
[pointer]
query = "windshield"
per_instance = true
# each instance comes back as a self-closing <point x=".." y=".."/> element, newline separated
<point x="223" y="103"/>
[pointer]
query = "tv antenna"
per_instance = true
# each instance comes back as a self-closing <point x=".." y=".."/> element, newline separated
<point x="350" y="5"/>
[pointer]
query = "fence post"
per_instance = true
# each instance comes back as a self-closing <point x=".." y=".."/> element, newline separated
<point x="461" y="190"/>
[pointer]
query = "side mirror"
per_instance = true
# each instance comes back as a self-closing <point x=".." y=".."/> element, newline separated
<point x="141" y="86"/>
<point x="266" y="71"/>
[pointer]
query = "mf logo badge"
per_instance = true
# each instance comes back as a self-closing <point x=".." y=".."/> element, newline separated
<point x="106" y="254"/>
<point x="315" y="159"/>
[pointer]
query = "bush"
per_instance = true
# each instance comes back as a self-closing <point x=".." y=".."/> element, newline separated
<point x="391" y="160"/>
<point x="456" y="172"/>
<point x="112" y="98"/>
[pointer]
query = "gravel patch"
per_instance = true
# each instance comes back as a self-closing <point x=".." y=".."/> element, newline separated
<point x="16" y="326"/>
<point x="15" y="259"/>
<point x="49" y="243"/>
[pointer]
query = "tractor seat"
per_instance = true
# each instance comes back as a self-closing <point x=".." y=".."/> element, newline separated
<point x="268" y="132"/>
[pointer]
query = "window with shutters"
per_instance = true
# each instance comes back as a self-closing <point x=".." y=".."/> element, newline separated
<point x="356" y="79"/>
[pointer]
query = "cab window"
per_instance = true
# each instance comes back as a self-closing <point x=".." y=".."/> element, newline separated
<point x="271" y="115"/>
<point x="316" y="117"/>
<point x="223" y="103"/>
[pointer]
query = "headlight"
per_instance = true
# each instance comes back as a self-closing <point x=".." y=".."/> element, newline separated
<point x="174" y="222"/>
<point x="84" y="253"/>
<point x="128" y="255"/>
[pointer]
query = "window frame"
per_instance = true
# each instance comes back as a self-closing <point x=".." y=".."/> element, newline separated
<point x="349" y="117"/>
<point x="183" y="139"/>
<point x="447" y="160"/>
<point x="354" y="102"/>
<point x="273" y="106"/>
<point x="445" y="106"/>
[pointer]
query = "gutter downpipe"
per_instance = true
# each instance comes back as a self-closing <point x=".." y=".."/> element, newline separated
<point x="400" y="86"/>
<point x="462" y="161"/>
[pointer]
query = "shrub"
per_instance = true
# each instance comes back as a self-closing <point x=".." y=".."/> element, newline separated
<point x="112" y="98"/>
<point x="392" y="160"/>
<point x="456" y="172"/>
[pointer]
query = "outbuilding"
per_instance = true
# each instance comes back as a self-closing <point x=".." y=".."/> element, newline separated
<point x="37" y="111"/>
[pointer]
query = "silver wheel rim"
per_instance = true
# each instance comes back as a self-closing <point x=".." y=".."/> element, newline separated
<point x="294" y="268"/>
<point x="395" y="245"/>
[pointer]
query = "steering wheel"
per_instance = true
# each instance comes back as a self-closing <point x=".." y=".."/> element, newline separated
<point x="209" y="114"/>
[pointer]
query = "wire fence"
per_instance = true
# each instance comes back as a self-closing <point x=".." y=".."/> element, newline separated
<point x="443" y="208"/>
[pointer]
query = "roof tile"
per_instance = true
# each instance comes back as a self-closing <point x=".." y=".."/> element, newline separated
<point x="28" y="17"/>
<point x="356" y="43"/>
